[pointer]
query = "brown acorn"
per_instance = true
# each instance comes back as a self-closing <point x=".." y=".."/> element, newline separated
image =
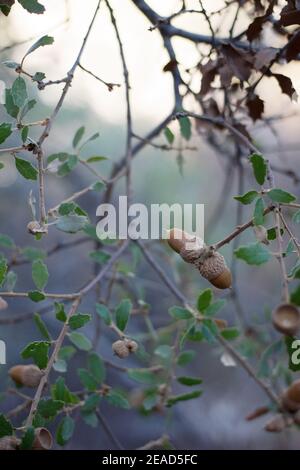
<point x="9" y="443"/>
<point x="278" y="423"/>
<point x="26" y="375"/>
<point x="291" y="397"/>
<point x="42" y="439"/>
<point x="3" y="304"/>
<point x="212" y="267"/>
<point x="286" y="319"/>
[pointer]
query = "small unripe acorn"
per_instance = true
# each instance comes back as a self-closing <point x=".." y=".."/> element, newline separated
<point x="42" y="439"/>
<point x="213" y="266"/>
<point x="26" y="375"/>
<point x="286" y="319"/>
<point x="9" y="443"/>
<point x="278" y="424"/>
<point x="3" y="304"/>
<point x="120" y="349"/>
<point x="291" y="397"/>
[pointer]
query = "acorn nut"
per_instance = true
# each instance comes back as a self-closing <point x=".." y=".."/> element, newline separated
<point x="26" y="375"/>
<point x="123" y="347"/>
<point x="286" y="319"/>
<point x="291" y="397"/>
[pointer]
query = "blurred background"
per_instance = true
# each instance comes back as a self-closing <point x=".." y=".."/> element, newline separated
<point x="217" y="419"/>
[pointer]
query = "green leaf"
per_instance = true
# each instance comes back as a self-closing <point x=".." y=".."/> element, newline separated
<point x="87" y="380"/>
<point x="258" y="214"/>
<point x="189" y="381"/>
<point x="65" y="430"/>
<point x="215" y="307"/>
<point x="26" y="108"/>
<point x="66" y="353"/>
<point x="78" y="136"/>
<point x="60" y="391"/>
<point x="60" y="366"/>
<point x="123" y="311"/>
<point x="43" y="41"/>
<point x="295" y="296"/>
<point x="49" y="408"/>
<point x="38" y="351"/>
<point x="24" y="134"/>
<point x="98" y="186"/>
<point x="295" y="271"/>
<point x="33" y="6"/>
<point x="5" y="131"/>
<point x="36" y="296"/>
<point x="169" y="135"/>
<point x="10" y="106"/>
<point x="185" y="357"/>
<point x="27" y="439"/>
<point x="19" y="92"/>
<point x="6" y="428"/>
<point x="1" y="166"/>
<point x="259" y="168"/>
<point x="254" y="254"/>
<point x="230" y="333"/>
<point x="71" y="223"/>
<point x="10" y="281"/>
<point x="247" y="198"/>
<point x="99" y="256"/>
<point x="38" y="77"/>
<point x="96" y="159"/>
<point x="60" y="313"/>
<point x="25" y="168"/>
<point x="116" y="398"/>
<point x="296" y="217"/>
<point x="32" y="253"/>
<point x="79" y="320"/>
<point x="40" y="274"/>
<point x="164" y="351"/>
<point x="180" y="313"/>
<point x="204" y="300"/>
<point x="42" y="327"/>
<point x="80" y="341"/>
<point x="144" y="376"/>
<point x="278" y="195"/>
<point x="104" y="313"/>
<point x="91" y="403"/>
<point x="90" y="419"/>
<point x="187" y="396"/>
<point x="185" y="127"/>
<point x="96" y="367"/>
<point x="67" y="166"/>
<point x="3" y="270"/>
<point x="10" y="63"/>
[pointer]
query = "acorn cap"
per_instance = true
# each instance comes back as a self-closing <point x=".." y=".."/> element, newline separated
<point x="178" y="239"/>
<point x="286" y="319"/>
<point x="26" y="375"/>
<point x="42" y="439"/>
<point x="132" y="346"/>
<point x="278" y="423"/>
<point x="3" y="304"/>
<point x="291" y="397"/>
<point x="9" y="443"/>
<point x="120" y="349"/>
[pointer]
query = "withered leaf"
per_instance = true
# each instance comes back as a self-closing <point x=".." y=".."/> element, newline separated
<point x="290" y="17"/>
<point x="255" y="107"/>
<point x="238" y="61"/>
<point x="170" y="66"/>
<point x="293" y="47"/>
<point x="209" y="71"/>
<point x="285" y="84"/>
<point x="264" y="57"/>
<point x="256" y="27"/>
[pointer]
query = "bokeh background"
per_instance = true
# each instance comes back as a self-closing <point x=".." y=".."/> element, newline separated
<point x="217" y="419"/>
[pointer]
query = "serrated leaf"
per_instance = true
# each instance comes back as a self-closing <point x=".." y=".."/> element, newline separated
<point x="19" y="92"/>
<point x="180" y="313"/>
<point x="5" y="131"/>
<point x="79" y="320"/>
<point x="38" y="351"/>
<point x="78" y="136"/>
<point x="65" y="430"/>
<point x="104" y="313"/>
<point x="91" y="403"/>
<point x="259" y="168"/>
<point x="43" y="41"/>
<point x="253" y="254"/>
<point x="40" y="274"/>
<point x="80" y="341"/>
<point x="247" y="198"/>
<point x="204" y="300"/>
<point x="26" y="169"/>
<point x="42" y="327"/>
<point x="48" y="409"/>
<point x="60" y="391"/>
<point x="123" y="311"/>
<point x="71" y="223"/>
<point x="278" y="195"/>
<point x="6" y="428"/>
<point x="32" y="6"/>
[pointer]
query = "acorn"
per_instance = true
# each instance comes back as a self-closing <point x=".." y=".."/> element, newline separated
<point x="42" y="439"/>
<point x="278" y="423"/>
<point x="26" y="375"/>
<point x="3" y="304"/>
<point x="9" y="443"/>
<point x="132" y="346"/>
<point x="286" y="319"/>
<point x="210" y="263"/>
<point x="291" y="397"/>
<point x="123" y="347"/>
